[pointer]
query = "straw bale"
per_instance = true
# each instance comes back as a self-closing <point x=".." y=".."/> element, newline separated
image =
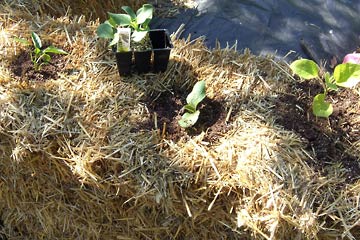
<point x="92" y="9"/>
<point x="75" y="163"/>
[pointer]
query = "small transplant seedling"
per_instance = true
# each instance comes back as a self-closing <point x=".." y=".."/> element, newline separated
<point x="138" y="23"/>
<point x="40" y="56"/>
<point x="193" y="99"/>
<point x="345" y="75"/>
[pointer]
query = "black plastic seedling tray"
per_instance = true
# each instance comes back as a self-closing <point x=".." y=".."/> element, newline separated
<point x="160" y="53"/>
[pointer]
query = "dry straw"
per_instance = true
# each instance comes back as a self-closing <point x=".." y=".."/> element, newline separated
<point x="90" y="8"/>
<point x="76" y="164"/>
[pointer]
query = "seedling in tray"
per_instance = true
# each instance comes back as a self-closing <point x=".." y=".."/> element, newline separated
<point x="138" y="23"/>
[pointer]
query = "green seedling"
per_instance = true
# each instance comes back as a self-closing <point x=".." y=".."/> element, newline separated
<point x="345" y="75"/>
<point x="40" y="56"/>
<point x="138" y="23"/>
<point x="193" y="99"/>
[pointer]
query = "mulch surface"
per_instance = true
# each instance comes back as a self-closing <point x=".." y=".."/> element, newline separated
<point x="168" y="109"/>
<point x="23" y="68"/>
<point x="325" y="137"/>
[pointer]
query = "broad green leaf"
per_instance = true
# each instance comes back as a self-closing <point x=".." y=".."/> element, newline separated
<point x="36" y="40"/>
<point x="320" y="107"/>
<point x="115" y="40"/>
<point x="111" y="22"/>
<point x="129" y="11"/>
<point x="305" y="68"/>
<point x="21" y="40"/>
<point x="145" y="25"/>
<point x="46" y="58"/>
<point x="105" y="30"/>
<point x="329" y="82"/>
<point x="347" y="74"/>
<point x="137" y="36"/>
<point x="197" y="94"/>
<point x="189" y="119"/>
<point x="120" y="19"/>
<point x="52" y="49"/>
<point x="144" y="13"/>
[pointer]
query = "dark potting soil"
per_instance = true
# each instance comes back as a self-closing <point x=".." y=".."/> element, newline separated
<point x="23" y="68"/>
<point x="326" y="138"/>
<point x="168" y="109"/>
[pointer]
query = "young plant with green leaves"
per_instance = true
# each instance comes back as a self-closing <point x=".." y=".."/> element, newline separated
<point x="193" y="99"/>
<point x="345" y="75"/>
<point x="40" y="56"/>
<point x="138" y="23"/>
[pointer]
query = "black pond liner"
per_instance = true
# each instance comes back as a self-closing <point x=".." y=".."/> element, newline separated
<point x="329" y="28"/>
<point x="161" y="47"/>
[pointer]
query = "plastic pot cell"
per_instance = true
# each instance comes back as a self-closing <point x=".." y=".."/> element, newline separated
<point x="143" y="61"/>
<point x="162" y="45"/>
<point x="124" y="62"/>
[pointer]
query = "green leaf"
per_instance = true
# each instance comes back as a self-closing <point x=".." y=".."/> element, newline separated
<point x="105" y="30"/>
<point x="144" y="13"/>
<point x="329" y="82"/>
<point x="129" y="11"/>
<point x="46" y="58"/>
<point x="320" y="107"/>
<point x="21" y="40"/>
<point x="137" y="36"/>
<point x="197" y="94"/>
<point x="52" y="49"/>
<point x="115" y="40"/>
<point x="111" y="22"/>
<point x="347" y="74"/>
<point x="305" y="68"/>
<point x="120" y="19"/>
<point x="36" y="40"/>
<point x="145" y="25"/>
<point x="189" y="119"/>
